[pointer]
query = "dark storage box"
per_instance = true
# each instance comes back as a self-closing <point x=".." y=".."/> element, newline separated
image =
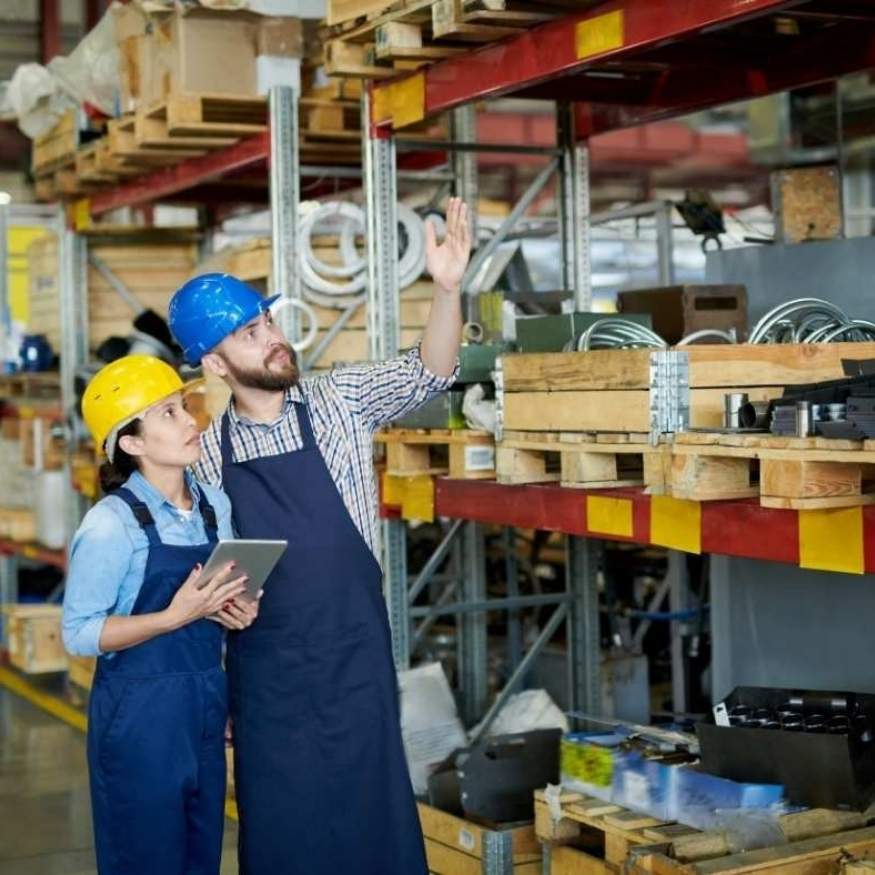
<point x="680" y="310"/>
<point x="818" y="770"/>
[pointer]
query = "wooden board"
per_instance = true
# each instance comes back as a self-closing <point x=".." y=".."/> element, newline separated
<point x="34" y="634"/>
<point x="460" y="836"/>
<point x="714" y="366"/>
<point x="469" y="454"/>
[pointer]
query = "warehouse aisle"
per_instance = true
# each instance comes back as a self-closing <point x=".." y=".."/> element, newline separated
<point x="45" y="816"/>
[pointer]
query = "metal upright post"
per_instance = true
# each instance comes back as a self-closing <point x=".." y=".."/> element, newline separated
<point x="679" y="601"/>
<point x="284" y="200"/>
<point x="464" y="163"/>
<point x="514" y="624"/>
<point x="73" y="285"/>
<point x="665" y="243"/>
<point x="584" y="651"/>
<point x="8" y="591"/>
<point x="473" y="666"/>
<point x="384" y="336"/>
<point x="574" y="209"/>
<point x="384" y="306"/>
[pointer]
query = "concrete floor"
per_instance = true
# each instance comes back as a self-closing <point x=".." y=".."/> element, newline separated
<point x="45" y="812"/>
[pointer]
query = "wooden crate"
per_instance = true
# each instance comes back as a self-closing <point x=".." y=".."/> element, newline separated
<point x="677" y="311"/>
<point x="455" y="846"/>
<point x="18" y="524"/>
<point x="584" y="460"/>
<point x="608" y="390"/>
<point x="57" y="148"/>
<point x="807" y="204"/>
<point x="593" y="837"/>
<point x="34" y="635"/>
<point x="152" y="271"/>
<point x="80" y="671"/>
<point x="463" y="454"/>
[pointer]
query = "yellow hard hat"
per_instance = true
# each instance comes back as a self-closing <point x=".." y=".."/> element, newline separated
<point x="123" y="389"/>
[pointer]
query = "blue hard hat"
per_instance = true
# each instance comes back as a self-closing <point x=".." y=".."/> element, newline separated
<point x="208" y="308"/>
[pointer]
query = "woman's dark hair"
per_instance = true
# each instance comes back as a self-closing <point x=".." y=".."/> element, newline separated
<point x="114" y="474"/>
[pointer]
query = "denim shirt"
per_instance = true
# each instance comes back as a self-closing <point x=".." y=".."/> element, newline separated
<point x="109" y="550"/>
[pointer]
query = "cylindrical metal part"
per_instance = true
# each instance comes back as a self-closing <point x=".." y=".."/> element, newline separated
<point x="754" y="414"/>
<point x="732" y="404"/>
<point x="472" y="332"/>
<point x="804" y="419"/>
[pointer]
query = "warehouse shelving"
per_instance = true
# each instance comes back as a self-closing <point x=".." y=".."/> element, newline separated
<point x="616" y="65"/>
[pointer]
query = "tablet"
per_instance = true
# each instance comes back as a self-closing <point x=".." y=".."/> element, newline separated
<point x="256" y="559"/>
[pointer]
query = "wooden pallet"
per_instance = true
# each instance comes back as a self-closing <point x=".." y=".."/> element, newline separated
<point x="464" y="454"/>
<point x="34" y="637"/>
<point x="788" y="473"/>
<point x="30" y="386"/>
<point x="456" y="846"/>
<point x="200" y="120"/>
<point x="592" y="837"/>
<point x="56" y="148"/>
<point x="123" y="145"/>
<point x="580" y="459"/>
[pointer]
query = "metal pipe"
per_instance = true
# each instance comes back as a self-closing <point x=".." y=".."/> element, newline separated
<point x="547" y="633"/>
<point x="523" y="601"/>
<point x="529" y="195"/>
<point x="652" y="606"/>
<point x="434" y="562"/>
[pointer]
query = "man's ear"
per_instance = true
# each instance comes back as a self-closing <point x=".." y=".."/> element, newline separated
<point x="131" y="444"/>
<point x="214" y="364"/>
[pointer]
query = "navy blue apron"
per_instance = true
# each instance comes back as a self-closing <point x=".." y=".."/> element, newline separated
<point x="156" y="730"/>
<point x="321" y="780"/>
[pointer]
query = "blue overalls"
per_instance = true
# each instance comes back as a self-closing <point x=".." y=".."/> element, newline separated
<point x="321" y="779"/>
<point x="156" y="730"/>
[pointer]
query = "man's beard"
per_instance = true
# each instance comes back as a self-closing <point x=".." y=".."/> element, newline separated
<point x="265" y="379"/>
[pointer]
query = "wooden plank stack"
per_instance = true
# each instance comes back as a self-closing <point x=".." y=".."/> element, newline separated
<point x="152" y="271"/>
<point x="592" y="837"/>
<point x="579" y="406"/>
<point x="373" y="39"/>
<point x="455" y="846"/>
<point x="34" y="634"/>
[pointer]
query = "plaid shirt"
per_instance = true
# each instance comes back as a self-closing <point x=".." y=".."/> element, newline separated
<point x="346" y="407"/>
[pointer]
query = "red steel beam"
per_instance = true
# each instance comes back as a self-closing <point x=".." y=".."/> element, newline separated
<point x="168" y="181"/>
<point x="550" y="51"/>
<point x="50" y="29"/>
<point x="730" y="528"/>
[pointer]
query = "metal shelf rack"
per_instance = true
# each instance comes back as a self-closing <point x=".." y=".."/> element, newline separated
<point x="620" y="64"/>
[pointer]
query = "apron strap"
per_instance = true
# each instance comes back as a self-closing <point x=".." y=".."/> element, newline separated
<point x="208" y="515"/>
<point x="227" y="449"/>
<point x="141" y="513"/>
<point x="308" y="442"/>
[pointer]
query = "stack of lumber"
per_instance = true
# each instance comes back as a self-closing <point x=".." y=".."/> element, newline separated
<point x="151" y="271"/>
<point x="583" y="419"/>
<point x="373" y="39"/>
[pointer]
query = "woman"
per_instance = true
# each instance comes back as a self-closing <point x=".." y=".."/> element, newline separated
<point x="135" y="598"/>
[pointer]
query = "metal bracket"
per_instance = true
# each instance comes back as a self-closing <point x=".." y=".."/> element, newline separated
<point x="669" y="392"/>
<point x="497" y="853"/>
<point x="498" y="379"/>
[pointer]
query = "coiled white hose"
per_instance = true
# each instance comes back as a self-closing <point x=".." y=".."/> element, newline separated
<point x="320" y="280"/>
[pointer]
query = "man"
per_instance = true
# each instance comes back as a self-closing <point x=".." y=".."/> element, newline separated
<point x="322" y="783"/>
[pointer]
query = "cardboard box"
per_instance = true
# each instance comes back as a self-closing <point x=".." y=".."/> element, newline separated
<point x="677" y="311"/>
<point x="212" y="52"/>
<point x="598" y="765"/>
<point x="34" y="635"/>
<point x="39" y="447"/>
